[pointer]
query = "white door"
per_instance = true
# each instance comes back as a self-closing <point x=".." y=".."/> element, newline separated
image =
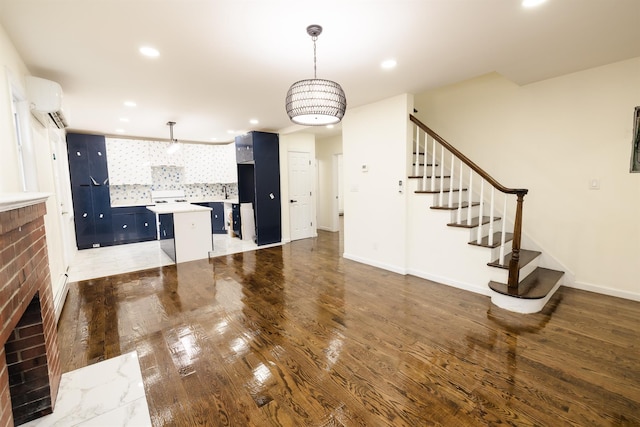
<point x="300" y="208"/>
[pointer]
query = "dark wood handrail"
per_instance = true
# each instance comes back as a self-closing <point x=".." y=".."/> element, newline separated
<point x="466" y="160"/>
<point x="514" y="262"/>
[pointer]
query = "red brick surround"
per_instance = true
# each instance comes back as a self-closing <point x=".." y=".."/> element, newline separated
<point x="29" y="359"/>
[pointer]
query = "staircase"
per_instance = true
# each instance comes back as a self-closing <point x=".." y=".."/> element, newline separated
<point x="518" y="283"/>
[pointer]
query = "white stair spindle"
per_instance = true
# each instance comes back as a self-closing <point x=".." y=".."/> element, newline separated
<point x="479" y="235"/>
<point x="441" y="176"/>
<point x="424" y="159"/>
<point x="459" y="218"/>
<point x="504" y="228"/>
<point x="470" y="190"/>
<point x="416" y="163"/>
<point x="451" y="170"/>
<point x="433" y="165"/>
<point x="491" y="210"/>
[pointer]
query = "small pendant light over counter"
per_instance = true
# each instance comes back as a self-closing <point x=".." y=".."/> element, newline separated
<point x="315" y="102"/>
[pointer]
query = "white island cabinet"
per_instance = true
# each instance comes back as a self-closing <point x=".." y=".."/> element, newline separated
<point x="191" y="238"/>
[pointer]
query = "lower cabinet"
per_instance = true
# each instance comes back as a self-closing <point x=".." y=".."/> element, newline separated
<point x="217" y="216"/>
<point x="133" y="224"/>
<point x="92" y="216"/>
<point x="235" y="215"/>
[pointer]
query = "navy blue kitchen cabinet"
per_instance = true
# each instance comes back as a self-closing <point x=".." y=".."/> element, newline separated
<point x="217" y="216"/>
<point x="92" y="216"/>
<point x="87" y="159"/>
<point x="133" y="224"/>
<point x="236" y="224"/>
<point x="90" y="190"/>
<point x="146" y="225"/>
<point x="258" y="161"/>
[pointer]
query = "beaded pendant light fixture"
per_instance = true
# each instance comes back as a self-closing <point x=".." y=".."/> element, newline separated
<point x="315" y="102"/>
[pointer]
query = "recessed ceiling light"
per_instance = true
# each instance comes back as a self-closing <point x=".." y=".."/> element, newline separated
<point x="149" y="51"/>
<point x="124" y="119"/>
<point x="254" y="121"/>
<point x="129" y="103"/>
<point x="120" y="130"/>
<point x="214" y="139"/>
<point x="329" y="126"/>
<point x="231" y="131"/>
<point x="532" y="3"/>
<point x="388" y="64"/>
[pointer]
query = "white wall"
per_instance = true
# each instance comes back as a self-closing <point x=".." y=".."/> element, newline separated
<point x="378" y="136"/>
<point x="303" y="142"/>
<point x="553" y="137"/>
<point x="326" y="151"/>
<point x="14" y="70"/>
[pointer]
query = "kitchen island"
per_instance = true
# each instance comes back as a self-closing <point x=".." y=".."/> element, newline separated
<point x="190" y="237"/>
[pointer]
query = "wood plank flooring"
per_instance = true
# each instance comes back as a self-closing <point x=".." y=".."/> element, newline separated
<point x="298" y="336"/>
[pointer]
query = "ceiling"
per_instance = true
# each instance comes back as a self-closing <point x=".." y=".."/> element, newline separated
<point x="224" y="62"/>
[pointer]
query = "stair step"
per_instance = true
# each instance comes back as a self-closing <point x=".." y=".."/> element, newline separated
<point x="426" y="164"/>
<point x="454" y="206"/>
<point x="497" y="237"/>
<point x="444" y="190"/>
<point x="437" y="177"/>
<point x="474" y="222"/>
<point x="526" y="257"/>
<point x="537" y="285"/>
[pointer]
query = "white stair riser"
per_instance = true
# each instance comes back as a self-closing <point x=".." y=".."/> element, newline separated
<point x="502" y="275"/>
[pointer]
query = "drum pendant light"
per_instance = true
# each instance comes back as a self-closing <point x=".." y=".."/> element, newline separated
<point x="315" y="102"/>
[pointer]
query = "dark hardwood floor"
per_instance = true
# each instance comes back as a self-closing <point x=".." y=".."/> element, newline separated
<point x="297" y="336"/>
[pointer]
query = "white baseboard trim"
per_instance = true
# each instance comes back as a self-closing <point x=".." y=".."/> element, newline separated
<point x="388" y="267"/>
<point x="61" y="295"/>
<point x="453" y="283"/>
<point x="634" y="296"/>
<point x="329" y="229"/>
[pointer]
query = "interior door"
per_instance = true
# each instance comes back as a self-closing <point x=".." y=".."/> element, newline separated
<point x="300" y="189"/>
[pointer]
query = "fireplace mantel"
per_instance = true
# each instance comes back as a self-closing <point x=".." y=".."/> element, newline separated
<point x="11" y="201"/>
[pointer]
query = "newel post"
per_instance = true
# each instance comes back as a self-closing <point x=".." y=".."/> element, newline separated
<point x="514" y="264"/>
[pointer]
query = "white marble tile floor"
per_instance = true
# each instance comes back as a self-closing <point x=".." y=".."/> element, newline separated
<point x="108" y="393"/>
<point x="110" y="260"/>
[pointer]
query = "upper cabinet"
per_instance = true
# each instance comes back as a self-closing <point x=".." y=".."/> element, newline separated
<point x="129" y="161"/>
<point x="209" y="164"/>
<point x="165" y="153"/>
<point x="88" y="155"/>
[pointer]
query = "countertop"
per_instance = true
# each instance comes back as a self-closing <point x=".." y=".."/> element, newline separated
<point x="133" y="203"/>
<point x="177" y="208"/>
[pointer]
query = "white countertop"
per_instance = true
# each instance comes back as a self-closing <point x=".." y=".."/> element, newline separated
<point x="147" y="202"/>
<point x="177" y="208"/>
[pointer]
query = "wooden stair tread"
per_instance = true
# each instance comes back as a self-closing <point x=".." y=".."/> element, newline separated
<point x="526" y="257"/>
<point x="535" y="286"/>
<point x="444" y="190"/>
<point x="420" y="176"/>
<point x="426" y="164"/>
<point x="455" y="205"/>
<point x="497" y="239"/>
<point x="474" y="222"/>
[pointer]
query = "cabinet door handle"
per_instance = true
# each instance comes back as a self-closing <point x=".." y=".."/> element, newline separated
<point x="105" y="181"/>
<point x="292" y="201"/>
<point x="124" y="226"/>
<point x="94" y="182"/>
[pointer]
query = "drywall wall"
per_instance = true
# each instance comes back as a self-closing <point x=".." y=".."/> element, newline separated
<point x="555" y="137"/>
<point x="327" y="150"/>
<point x="13" y="70"/>
<point x="376" y="139"/>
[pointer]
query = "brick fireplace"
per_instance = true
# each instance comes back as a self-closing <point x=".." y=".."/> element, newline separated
<point x="29" y="362"/>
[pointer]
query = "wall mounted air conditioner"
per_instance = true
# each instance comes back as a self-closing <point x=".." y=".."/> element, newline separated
<point x="45" y="99"/>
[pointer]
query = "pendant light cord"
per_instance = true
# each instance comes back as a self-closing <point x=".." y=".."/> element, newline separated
<point x="314" y="38"/>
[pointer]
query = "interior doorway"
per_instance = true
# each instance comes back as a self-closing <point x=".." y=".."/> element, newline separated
<point x="300" y="192"/>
